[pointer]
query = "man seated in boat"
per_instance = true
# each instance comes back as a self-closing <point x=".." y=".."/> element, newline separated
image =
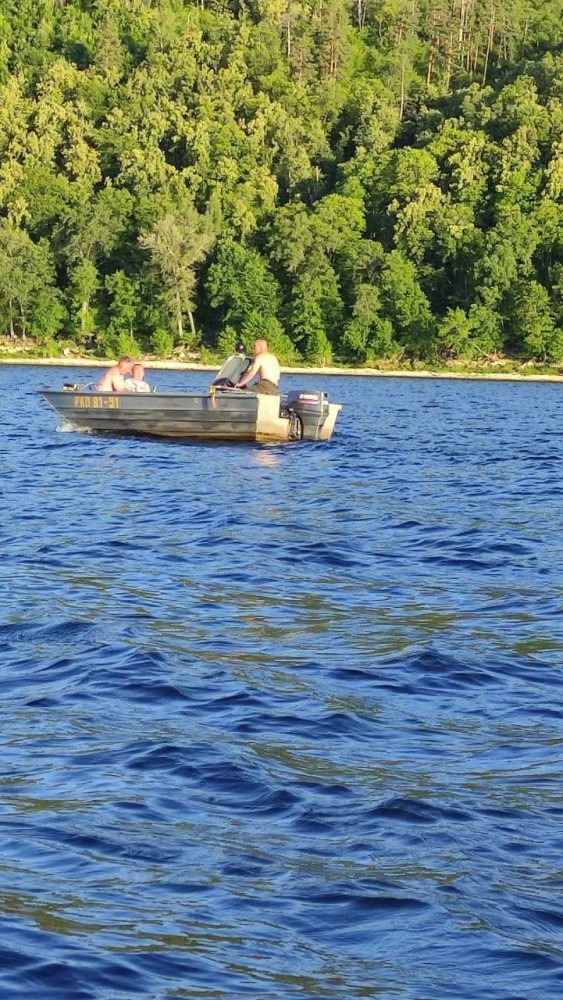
<point x="267" y="367"/>
<point x="114" y="379"/>
<point x="135" y="382"/>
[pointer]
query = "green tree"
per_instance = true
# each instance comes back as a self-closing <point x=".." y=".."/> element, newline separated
<point x="315" y="313"/>
<point x="84" y="283"/>
<point x="29" y="301"/>
<point x="406" y="305"/>
<point x="91" y="228"/>
<point x="369" y="335"/>
<point x="532" y="323"/>
<point x="391" y="171"/>
<point x="239" y="283"/>
<point x="119" y="336"/>
<point x="257" y="326"/>
<point x="177" y="245"/>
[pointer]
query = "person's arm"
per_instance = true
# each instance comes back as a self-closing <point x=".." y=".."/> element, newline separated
<point x="249" y="374"/>
<point x="118" y="383"/>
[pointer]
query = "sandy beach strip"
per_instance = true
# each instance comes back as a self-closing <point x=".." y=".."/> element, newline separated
<point x="156" y="364"/>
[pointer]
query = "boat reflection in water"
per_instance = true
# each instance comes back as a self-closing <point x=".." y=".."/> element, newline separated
<point x="222" y="413"/>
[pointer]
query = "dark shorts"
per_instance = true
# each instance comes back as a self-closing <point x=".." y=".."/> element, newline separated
<point x="265" y="387"/>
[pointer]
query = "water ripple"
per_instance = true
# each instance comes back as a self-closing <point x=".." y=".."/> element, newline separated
<point x="285" y="722"/>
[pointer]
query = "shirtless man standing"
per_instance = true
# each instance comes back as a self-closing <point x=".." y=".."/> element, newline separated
<point x="113" y="380"/>
<point x="265" y="365"/>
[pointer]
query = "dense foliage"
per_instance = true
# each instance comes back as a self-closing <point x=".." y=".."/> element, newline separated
<point x="354" y="179"/>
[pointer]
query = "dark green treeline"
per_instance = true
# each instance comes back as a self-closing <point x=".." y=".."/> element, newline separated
<point x="354" y="179"/>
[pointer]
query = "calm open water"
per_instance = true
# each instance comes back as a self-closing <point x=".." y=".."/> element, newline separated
<point x="284" y="722"/>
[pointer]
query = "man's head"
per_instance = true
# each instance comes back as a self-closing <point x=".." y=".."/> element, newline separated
<point x="125" y="364"/>
<point x="260" y="347"/>
<point x="138" y="372"/>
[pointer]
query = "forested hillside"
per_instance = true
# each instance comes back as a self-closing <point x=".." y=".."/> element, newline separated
<point x="354" y="179"/>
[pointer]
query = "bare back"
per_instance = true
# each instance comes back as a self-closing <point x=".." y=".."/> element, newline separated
<point x="265" y="365"/>
<point x="268" y="367"/>
<point x="113" y="380"/>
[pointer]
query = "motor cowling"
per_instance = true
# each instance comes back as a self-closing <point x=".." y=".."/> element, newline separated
<point x="311" y="408"/>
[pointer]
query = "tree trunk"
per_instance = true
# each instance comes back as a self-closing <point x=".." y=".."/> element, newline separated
<point x="402" y="103"/>
<point x="431" y="57"/>
<point x="192" y="326"/>
<point x="179" y="319"/>
<point x="490" y="40"/>
<point x="449" y="57"/>
<point x="461" y="30"/>
<point x="24" y="323"/>
<point x="435" y="29"/>
<point x="84" y="317"/>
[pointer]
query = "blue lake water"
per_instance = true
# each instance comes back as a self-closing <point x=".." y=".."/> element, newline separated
<point x="284" y="722"/>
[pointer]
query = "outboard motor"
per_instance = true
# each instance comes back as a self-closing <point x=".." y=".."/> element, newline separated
<point x="311" y="410"/>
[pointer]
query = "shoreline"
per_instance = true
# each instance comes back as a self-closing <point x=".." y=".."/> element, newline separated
<point x="163" y="365"/>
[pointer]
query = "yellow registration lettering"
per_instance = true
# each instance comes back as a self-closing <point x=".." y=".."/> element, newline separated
<point x="96" y="402"/>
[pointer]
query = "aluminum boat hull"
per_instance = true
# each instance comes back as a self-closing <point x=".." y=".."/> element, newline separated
<point x="214" y="415"/>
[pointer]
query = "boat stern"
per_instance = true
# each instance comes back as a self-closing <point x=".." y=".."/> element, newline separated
<point x="325" y="432"/>
<point x="270" y="425"/>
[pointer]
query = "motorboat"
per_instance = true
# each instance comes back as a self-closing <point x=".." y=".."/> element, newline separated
<point x="221" y="413"/>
